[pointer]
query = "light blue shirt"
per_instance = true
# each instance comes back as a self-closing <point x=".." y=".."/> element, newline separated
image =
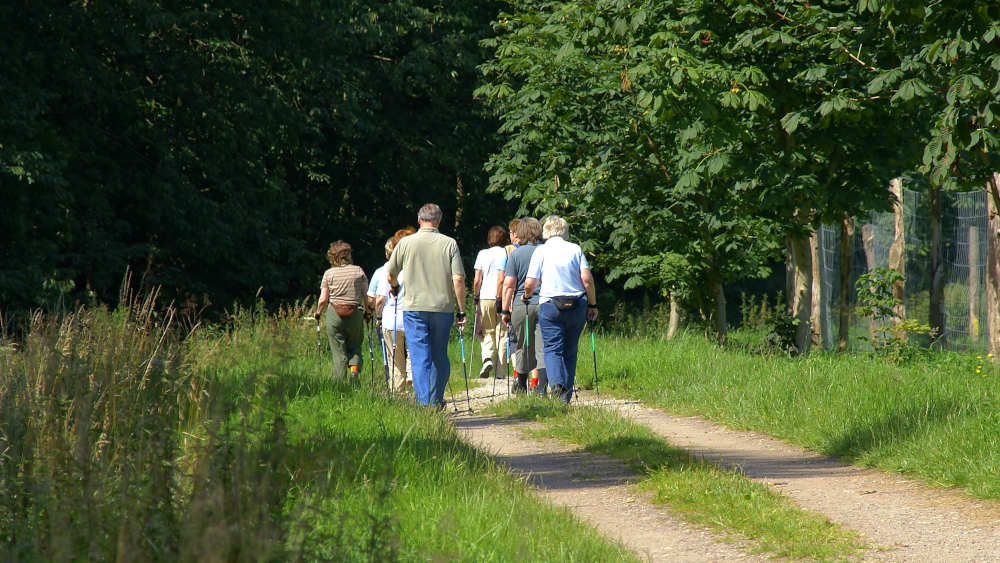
<point x="392" y="310"/>
<point x="557" y="265"/>
<point x="380" y="276"/>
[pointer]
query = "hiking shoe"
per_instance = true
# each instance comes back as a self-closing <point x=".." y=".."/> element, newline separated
<point x="558" y="391"/>
<point x="487" y="368"/>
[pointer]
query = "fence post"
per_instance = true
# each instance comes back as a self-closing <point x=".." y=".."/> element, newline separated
<point x="817" y="291"/>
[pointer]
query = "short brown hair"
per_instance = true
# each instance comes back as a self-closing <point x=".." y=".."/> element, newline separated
<point x="512" y="226"/>
<point x="497" y="236"/>
<point x="528" y="230"/>
<point x="404" y="232"/>
<point x="339" y="254"/>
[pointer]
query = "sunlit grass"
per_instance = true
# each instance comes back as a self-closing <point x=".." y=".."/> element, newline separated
<point x="936" y="417"/>
<point x="124" y="437"/>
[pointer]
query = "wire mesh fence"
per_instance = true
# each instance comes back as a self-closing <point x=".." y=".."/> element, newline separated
<point x="963" y="266"/>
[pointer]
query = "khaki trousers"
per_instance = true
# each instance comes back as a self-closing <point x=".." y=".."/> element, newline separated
<point x="494" y="337"/>
<point x="399" y="360"/>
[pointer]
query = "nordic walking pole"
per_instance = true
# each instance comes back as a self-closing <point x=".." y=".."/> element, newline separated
<point x="508" y="359"/>
<point x="385" y="361"/>
<point x="525" y="350"/>
<point x="319" y="343"/>
<point x="371" y="349"/>
<point x="391" y="374"/>
<point x="593" y="351"/>
<point x="465" y="368"/>
<point x="493" y="393"/>
<point x="451" y="391"/>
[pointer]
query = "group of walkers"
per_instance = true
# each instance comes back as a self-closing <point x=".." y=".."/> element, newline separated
<point x="532" y="288"/>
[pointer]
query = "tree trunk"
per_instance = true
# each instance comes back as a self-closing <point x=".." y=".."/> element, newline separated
<point x="460" y="200"/>
<point x="846" y="248"/>
<point x="993" y="266"/>
<point x="801" y="302"/>
<point x="789" y="274"/>
<point x="719" y="315"/>
<point x="897" y="255"/>
<point x="936" y="317"/>
<point x="675" y="319"/>
<point x="815" y="319"/>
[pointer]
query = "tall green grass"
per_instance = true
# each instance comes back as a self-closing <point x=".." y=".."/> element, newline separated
<point x="936" y="417"/>
<point x="125" y="436"/>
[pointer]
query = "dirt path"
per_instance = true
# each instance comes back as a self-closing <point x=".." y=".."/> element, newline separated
<point x="904" y="520"/>
<point x="596" y="489"/>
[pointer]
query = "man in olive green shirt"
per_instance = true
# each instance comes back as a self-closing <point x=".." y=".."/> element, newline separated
<point x="432" y="268"/>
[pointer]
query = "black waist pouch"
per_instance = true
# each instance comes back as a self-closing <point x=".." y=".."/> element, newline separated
<point x="566" y="303"/>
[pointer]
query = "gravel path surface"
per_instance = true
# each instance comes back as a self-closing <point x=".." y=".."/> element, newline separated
<point x="902" y="519"/>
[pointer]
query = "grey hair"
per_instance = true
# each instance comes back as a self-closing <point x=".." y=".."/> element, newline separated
<point x="555" y="226"/>
<point x="388" y="245"/>
<point x="429" y="213"/>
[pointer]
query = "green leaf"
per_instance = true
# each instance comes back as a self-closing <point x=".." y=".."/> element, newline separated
<point x="883" y="80"/>
<point x="791" y="121"/>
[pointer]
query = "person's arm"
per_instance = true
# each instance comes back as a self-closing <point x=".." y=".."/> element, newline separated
<point x="379" y="305"/>
<point x="530" y="285"/>
<point x="588" y="284"/>
<point x="501" y="278"/>
<point x="477" y="284"/>
<point x="459" y="282"/>
<point x="324" y="298"/>
<point x="509" y="288"/>
<point x="394" y="267"/>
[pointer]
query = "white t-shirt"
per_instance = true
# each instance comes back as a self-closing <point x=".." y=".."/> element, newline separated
<point x="490" y="261"/>
<point x="557" y="264"/>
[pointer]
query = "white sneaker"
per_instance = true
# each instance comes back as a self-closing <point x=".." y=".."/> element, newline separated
<point x="487" y="368"/>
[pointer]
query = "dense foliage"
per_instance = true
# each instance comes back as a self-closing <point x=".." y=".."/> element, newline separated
<point x="691" y="140"/>
<point x="218" y="147"/>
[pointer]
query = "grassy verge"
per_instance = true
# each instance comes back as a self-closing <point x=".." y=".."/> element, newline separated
<point x="125" y="437"/>
<point x="936" y="417"/>
<point x="700" y="492"/>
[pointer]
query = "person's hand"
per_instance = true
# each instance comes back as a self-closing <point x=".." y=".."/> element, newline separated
<point x="394" y="290"/>
<point x="498" y="303"/>
<point x="368" y="316"/>
<point x="460" y="320"/>
<point x="591" y="314"/>
<point x="505" y="317"/>
<point x="525" y="298"/>
<point x="317" y="315"/>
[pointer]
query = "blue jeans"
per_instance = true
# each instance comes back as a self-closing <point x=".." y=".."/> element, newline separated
<point x="560" y="336"/>
<point x="427" y="339"/>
